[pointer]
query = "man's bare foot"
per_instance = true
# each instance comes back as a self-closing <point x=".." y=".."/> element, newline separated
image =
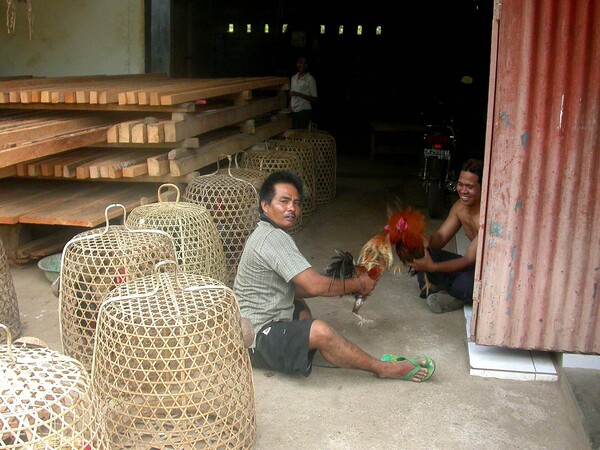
<point x="403" y="370"/>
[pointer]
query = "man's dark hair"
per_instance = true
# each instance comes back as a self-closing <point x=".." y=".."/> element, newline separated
<point x="474" y="166"/>
<point x="267" y="190"/>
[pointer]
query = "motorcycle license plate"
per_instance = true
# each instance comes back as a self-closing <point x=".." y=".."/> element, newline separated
<point x="437" y="152"/>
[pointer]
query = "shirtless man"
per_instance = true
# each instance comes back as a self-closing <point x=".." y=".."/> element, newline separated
<point x="452" y="275"/>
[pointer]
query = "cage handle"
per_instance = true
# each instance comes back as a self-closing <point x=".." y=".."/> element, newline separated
<point x="106" y="215"/>
<point x="8" y="341"/>
<point x="221" y="156"/>
<point x="166" y="185"/>
<point x="236" y="161"/>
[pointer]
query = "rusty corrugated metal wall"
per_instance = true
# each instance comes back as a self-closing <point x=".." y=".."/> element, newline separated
<point x="538" y="266"/>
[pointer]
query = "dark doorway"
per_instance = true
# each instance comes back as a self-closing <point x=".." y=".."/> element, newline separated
<point x="411" y="70"/>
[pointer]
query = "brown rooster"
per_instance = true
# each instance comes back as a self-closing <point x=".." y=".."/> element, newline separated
<point x="406" y="231"/>
<point x="343" y="266"/>
<point x="403" y="232"/>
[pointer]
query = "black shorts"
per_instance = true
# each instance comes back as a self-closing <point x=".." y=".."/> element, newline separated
<point x="284" y="347"/>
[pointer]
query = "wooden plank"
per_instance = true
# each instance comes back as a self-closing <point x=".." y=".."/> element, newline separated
<point x="33" y="169"/>
<point x="47" y="245"/>
<point x="112" y="134"/>
<point x="69" y="170"/>
<point x="68" y="85"/>
<point x="111" y="93"/>
<point x="180" y="152"/>
<point x="23" y="195"/>
<point x="10" y="171"/>
<point x="158" y="165"/>
<point x="182" y="87"/>
<point x="209" y="153"/>
<point x="156" y="132"/>
<point x="47" y="164"/>
<point x="99" y="168"/>
<point x="211" y="120"/>
<point x="86" y="205"/>
<point x="180" y="107"/>
<point x="223" y="90"/>
<point x="57" y="144"/>
<point x="135" y="170"/>
<point x="189" y="142"/>
<point x="116" y="170"/>
<point x="83" y="170"/>
<point x="113" y="168"/>
<point x="139" y="133"/>
<point x="48" y="127"/>
<point x="248" y="126"/>
<point x="125" y="130"/>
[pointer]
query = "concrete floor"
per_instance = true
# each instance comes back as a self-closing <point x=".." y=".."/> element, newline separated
<point x="344" y="409"/>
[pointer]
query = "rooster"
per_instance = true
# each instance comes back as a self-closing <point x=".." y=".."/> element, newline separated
<point x="343" y="266"/>
<point x="404" y="232"/>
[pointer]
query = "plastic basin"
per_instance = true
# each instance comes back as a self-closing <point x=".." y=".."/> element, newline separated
<point x="50" y="265"/>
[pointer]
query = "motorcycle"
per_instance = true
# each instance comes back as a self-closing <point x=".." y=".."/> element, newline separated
<point x="438" y="175"/>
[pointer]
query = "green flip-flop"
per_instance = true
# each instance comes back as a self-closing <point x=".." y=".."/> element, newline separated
<point x="430" y="365"/>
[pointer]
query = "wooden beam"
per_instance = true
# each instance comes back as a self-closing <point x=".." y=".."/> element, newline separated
<point x="223" y="90"/>
<point x="208" y="154"/>
<point x="158" y="165"/>
<point x="211" y="120"/>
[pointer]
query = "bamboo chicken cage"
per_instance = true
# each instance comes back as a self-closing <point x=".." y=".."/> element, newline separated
<point x="197" y="240"/>
<point x="45" y="400"/>
<point x="255" y="177"/>
<point x="270" y="160"/>
<point x="171" y="369"/>
<point x="233" y="205"/>
<point x="9" y="306"/>
<point x="95" y="262"/>
<point x="325" y="161"/>
<point x="305" y="151"/>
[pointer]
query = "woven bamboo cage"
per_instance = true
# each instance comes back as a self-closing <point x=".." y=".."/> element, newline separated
<point x="95" y="262"/>
<point x="197" y="241"/>
<point x="45" y="400"/>
<point x="171" y="370"/>
<point x="9" y="306"/>
<point x="306" y="152"/>
<point x="234" y="169"/>
<point x="233" y="205"/>
<point x="325" y="161"/>
<point x="270" y="160"/>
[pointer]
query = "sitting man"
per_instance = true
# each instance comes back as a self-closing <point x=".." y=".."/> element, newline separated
<point x="453" y="275"/>
<point x="274" y="278"/>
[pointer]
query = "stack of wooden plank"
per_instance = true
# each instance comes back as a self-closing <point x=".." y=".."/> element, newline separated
<point x="143" y="128"/>
<point x="144" y="90"/>
<point x="233" y="103"/>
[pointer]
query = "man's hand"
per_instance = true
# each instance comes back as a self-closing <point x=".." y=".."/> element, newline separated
<point x="366" y="284"/>
<point x="424" y="264"/>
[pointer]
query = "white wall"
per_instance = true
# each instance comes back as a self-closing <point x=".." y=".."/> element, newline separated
<point x="74" y="37"/>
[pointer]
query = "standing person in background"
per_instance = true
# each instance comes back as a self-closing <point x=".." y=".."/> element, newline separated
<point x="302" y="94"/>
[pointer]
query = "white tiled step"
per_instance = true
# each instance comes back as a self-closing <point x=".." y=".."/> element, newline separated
<point x="509" y="364"/>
